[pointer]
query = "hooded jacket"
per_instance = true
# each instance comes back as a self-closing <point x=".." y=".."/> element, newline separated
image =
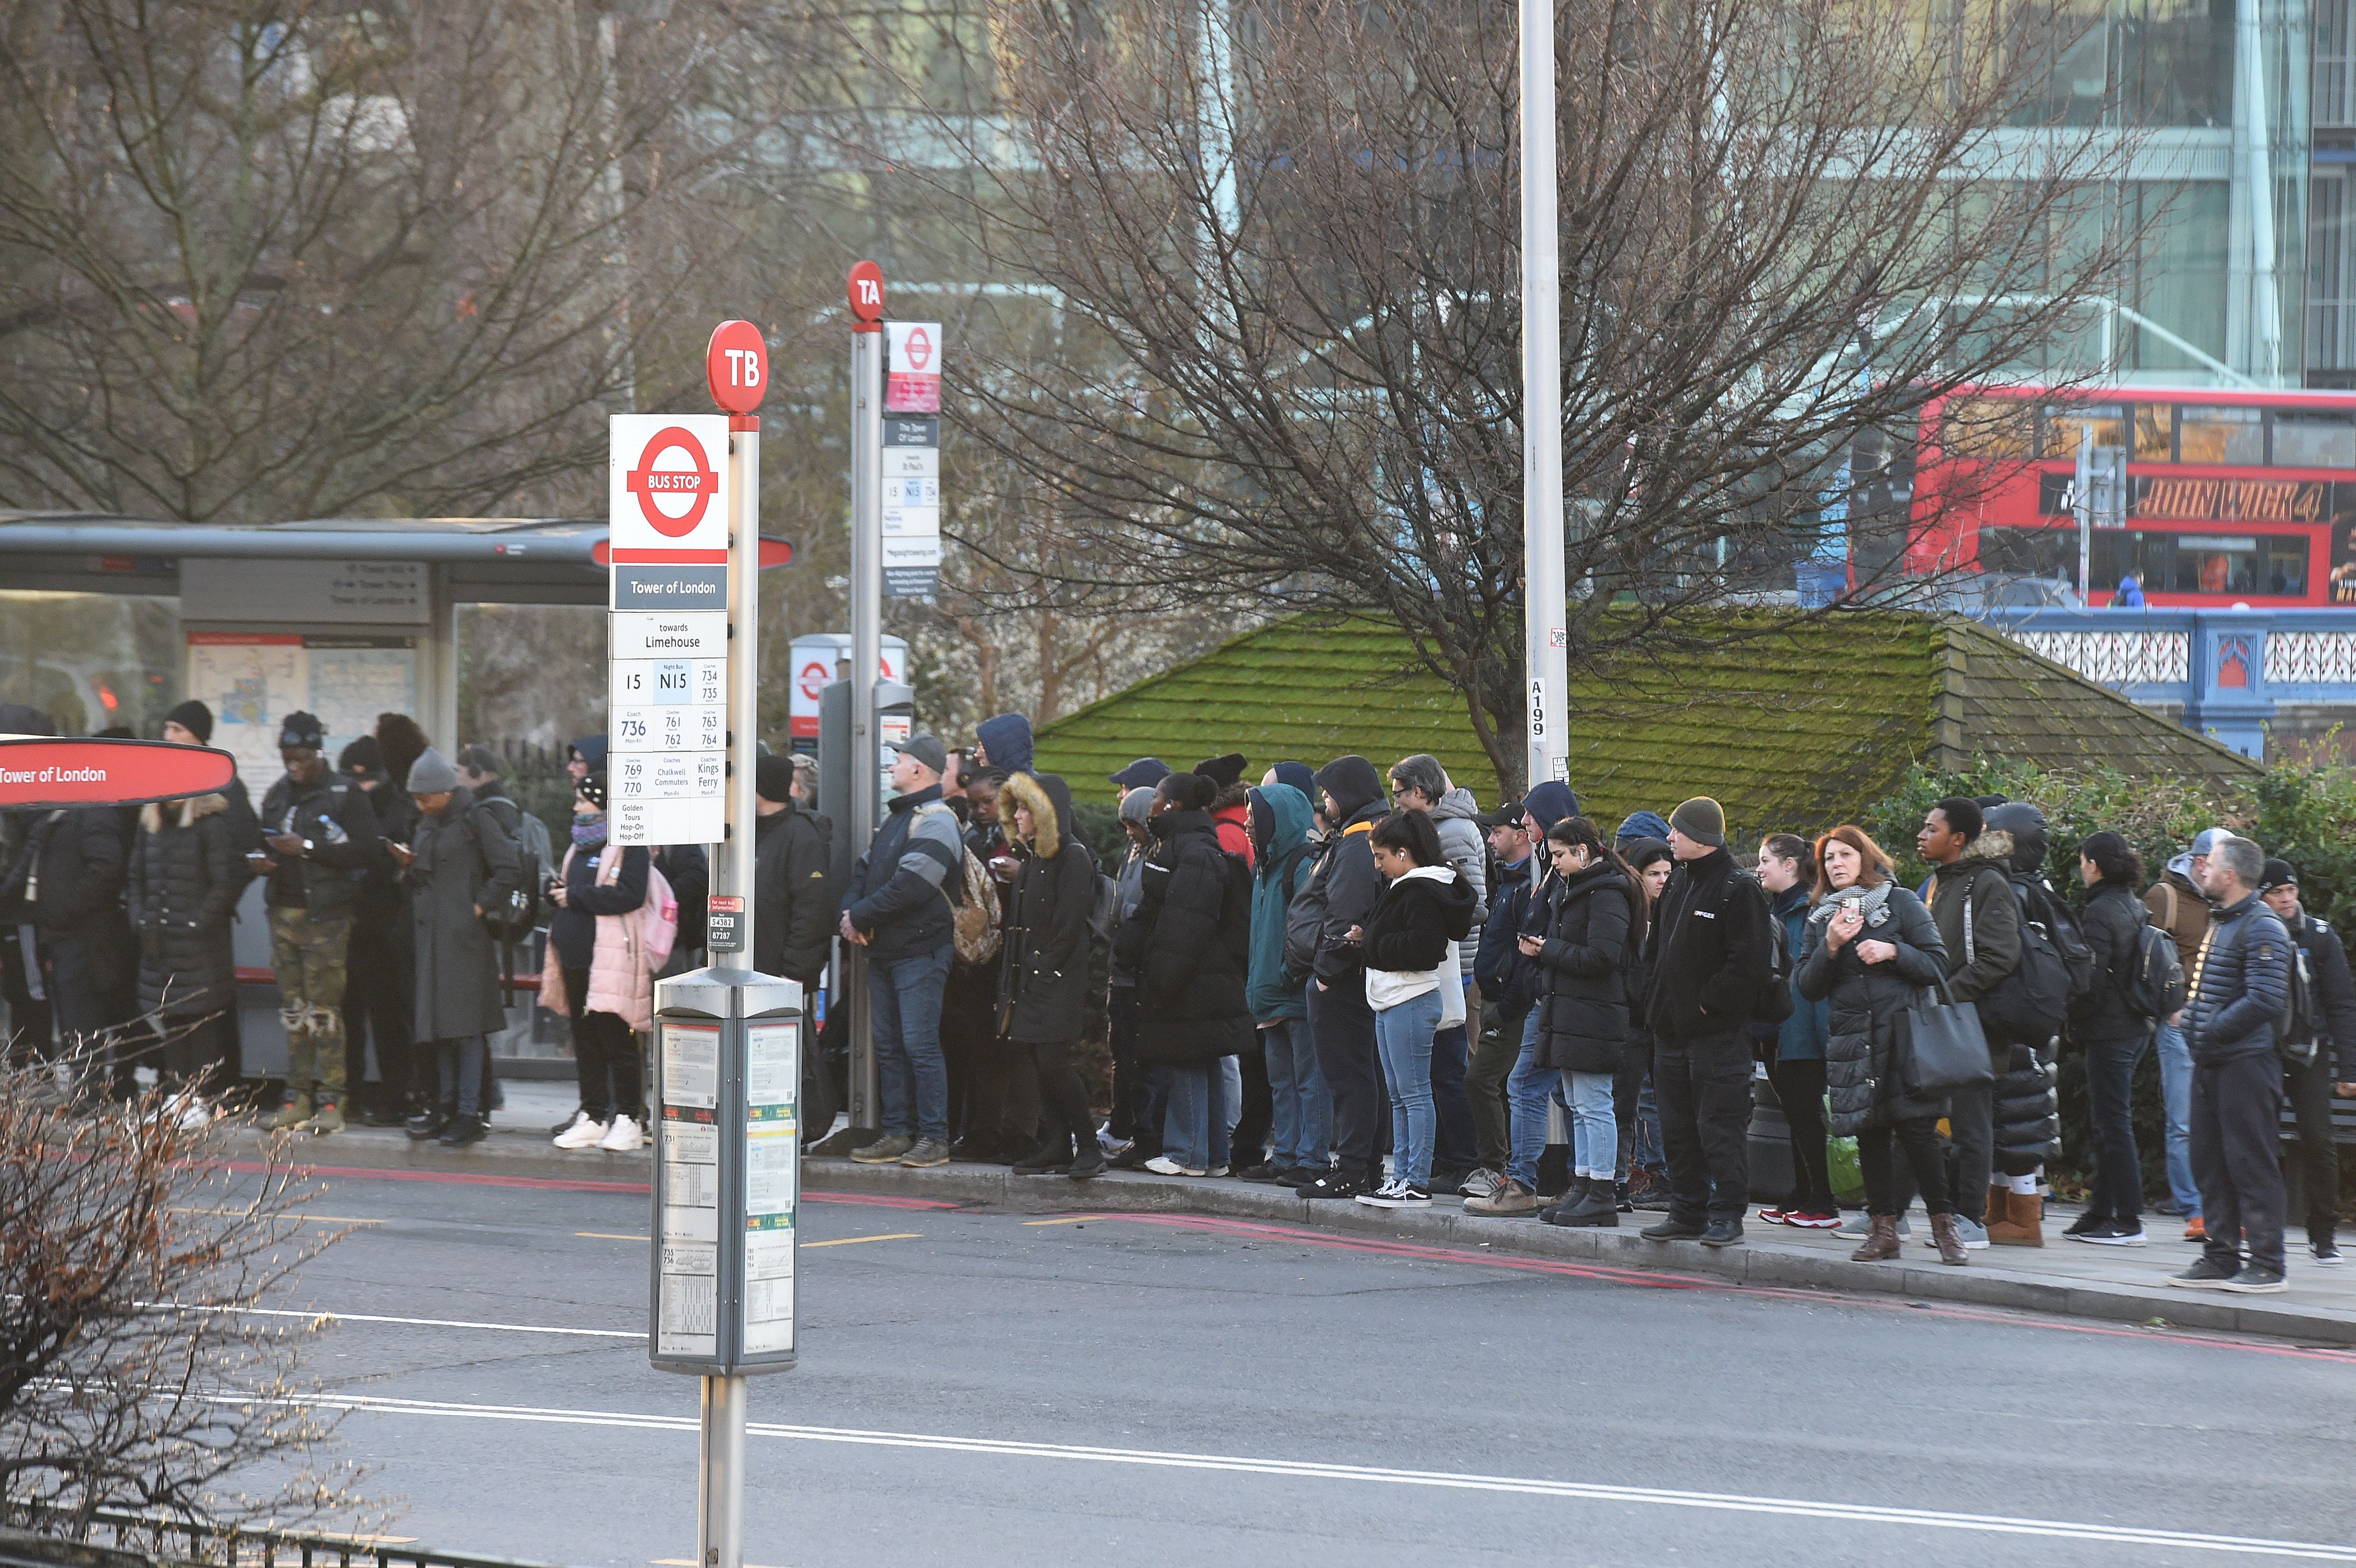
<point x="793" y="894"/>
<point x="1582" y="969"/>
<point x="1458" y="819"/>
<point x="1499" y="968"/>
<point x="1408" y="933"/>
<point x="1042" y="976"/>
<point x="1341" y="891"/>
<point x="1190" y="946"/>
<point x="186" y="873"/>
<point x="1006" y="740"/>
<point x="465" y="861"/>
<point x="2179" y="908"/>
<point x="1284" y="864"/>
<point x="2335" y="990"/>
<point x="591" y="750"/>
<point x="1978" y="880"/>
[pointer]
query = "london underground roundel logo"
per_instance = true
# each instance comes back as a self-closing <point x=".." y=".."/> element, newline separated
<point x="694" y="484"/>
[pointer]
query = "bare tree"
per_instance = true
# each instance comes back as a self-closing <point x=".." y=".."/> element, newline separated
<point x="263" y="259"/>
<point x="1285" y="238"/>
<point x="134" y="1373"/>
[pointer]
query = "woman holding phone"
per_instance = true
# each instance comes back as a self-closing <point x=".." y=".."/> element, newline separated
<point x="1870" y="943"/>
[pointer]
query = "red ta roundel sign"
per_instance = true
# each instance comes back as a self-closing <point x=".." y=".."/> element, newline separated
<point x="737" y="367"/>
<point x="695" y="483"/>
<point x="866" y="290"/>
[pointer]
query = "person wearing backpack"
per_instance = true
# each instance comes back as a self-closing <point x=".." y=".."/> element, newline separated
<point x="2178" y="906"/>
<point x="600" y="972"/>
<point x="2330" y="1067"/>
<point x="1971" y="898"/>
<point x="1043" y="986"/>
<point x="1300" y="1114"/>
<point x="902" y="909"/>
<point x="2241" y="989"/>
<point x="2113" y="1031"/>
<point x="2055" y="967"/>
<point x="460" y="866"/>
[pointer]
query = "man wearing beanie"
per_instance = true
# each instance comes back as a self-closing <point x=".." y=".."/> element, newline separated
<point x="191" y="724"/>
<point x="1711" y="951"/>
<point x="1338" y="897"/>
<point x="461" y="865"/>
<point x="793" y="890"/>
<point x="318" y="838"/>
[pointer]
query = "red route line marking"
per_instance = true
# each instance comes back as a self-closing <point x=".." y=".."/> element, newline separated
<point x="1658" y="1280"/>
<point x="541" y="1183"/>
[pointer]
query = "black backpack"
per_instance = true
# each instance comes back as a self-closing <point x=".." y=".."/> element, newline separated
<point x="2055" y="965"/>
<point x="2294" y="1036"/>
<point x="513" y="921"/>
<point x="2155" y="986"/>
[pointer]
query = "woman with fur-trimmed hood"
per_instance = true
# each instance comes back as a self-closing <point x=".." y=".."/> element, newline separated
<point x="1043" y="978"/>
<point x="185" y="876"/>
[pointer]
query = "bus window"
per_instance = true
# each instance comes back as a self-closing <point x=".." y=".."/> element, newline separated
<point x="1987" y="427"/>
<point x="2063" y="424"/>
<point x="2241" y="565"/>
<point x="2314" y="440"/>
<point x="2153" y="435"/>
<point x="2223" y="436"/>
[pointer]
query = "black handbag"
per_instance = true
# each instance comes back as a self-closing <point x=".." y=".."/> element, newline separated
<point x="1941" y="1048"/>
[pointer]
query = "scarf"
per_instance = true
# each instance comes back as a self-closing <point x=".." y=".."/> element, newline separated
<point x="589" y="832"/>
<point x="1873" y="903"/>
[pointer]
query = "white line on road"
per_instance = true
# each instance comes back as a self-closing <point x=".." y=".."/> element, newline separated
<point x="1657" y="1496"/>
<point x="328" y="1317"/>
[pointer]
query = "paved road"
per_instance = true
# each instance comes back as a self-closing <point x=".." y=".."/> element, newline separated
<point x="987" y="1389"/>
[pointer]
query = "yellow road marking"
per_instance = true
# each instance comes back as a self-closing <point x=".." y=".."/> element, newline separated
<point x="610" y="1236"/>
<point x="854" y="1240"/>
<point x="1074" y="1219"/>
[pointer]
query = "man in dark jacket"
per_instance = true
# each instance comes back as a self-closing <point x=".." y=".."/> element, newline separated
<point x="899" y="912"/>
<point x="462" y="864"/>
<point x="318" y="837"/>
<point x="2311" y="1087"/>
<point x="1712" y="952"/>
<point x="2238" y="991"/>
<point x="1529" y="1086"/>
<point x="381" y="968"/>
<point x="1497" y="962"/>
<point x="30" y="1012"/>
<point x="1338" y="896"/>
<point x="1971" y="901"/>
<point x="69" y="877"/>
<point x="792" y="896"/>
<point x="191" y="724"/>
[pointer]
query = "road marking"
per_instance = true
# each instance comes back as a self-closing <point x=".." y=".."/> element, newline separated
<point x="542" y="1183"/>
<point x="1585" y="1491"/>
<point x="1074" y="1219"/>
<point x="306" y="1219"/>
<point x="610" y="1236"/>
<point x="328" y="1317"/>
<point x="854" y="1240"/>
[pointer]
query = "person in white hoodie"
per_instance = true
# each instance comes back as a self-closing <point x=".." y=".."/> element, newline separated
<point x="1420" y="781"/>
<point x="1412" y="983"/>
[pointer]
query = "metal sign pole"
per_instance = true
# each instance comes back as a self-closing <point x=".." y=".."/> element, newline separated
<point x="866" y="649"/>
<point x="1546" y="605"/>
<point x="2083" y="505"/>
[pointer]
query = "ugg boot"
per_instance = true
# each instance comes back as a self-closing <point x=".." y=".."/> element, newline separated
<point x="1945" y="1237"/>
<point x="293" y="1114"/>
<point x="1880" y="1239"/>
<point x="2023" y="1221"/>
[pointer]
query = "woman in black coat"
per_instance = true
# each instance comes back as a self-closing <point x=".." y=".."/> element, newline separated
<point x="1042" y="975"/>
<point x="1190" y="946"/>
<point x="1871" y="944"/>
<point x="1595" y="922"/>
<point x="2114" y="1037"/>
<point x="185" y="876"/>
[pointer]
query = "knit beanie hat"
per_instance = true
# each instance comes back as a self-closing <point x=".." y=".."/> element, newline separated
<point x="773" y="778"/>
<point x="363" y="756"/>
<point x="1225" y="771"/>
<point x="195" y="717"/>
<point x="592" y="787"/>
<point x="430" y="774"/>
<point x="301" y="729"/>
<point x="1701" y="820"/>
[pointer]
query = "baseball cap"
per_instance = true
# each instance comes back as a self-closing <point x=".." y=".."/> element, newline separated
<point x="927" y="749"/>
<point x="1507" y="814"/>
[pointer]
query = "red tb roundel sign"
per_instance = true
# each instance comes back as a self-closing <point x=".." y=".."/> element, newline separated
<point x="737" y="367"/>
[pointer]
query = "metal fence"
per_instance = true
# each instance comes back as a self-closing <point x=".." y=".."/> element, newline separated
<point x="119" y="1539"/>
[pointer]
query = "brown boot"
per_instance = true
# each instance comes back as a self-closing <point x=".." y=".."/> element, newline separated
<point x="1880" y="1239"/>
<point x="2021" y="1221"/>
<point x="1951" y="1245"/>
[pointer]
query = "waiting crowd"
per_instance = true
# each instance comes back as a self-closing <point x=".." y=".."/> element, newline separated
<point x="1349" y="982"/>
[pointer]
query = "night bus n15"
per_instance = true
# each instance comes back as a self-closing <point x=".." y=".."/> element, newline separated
<point x="2231" y="497"/>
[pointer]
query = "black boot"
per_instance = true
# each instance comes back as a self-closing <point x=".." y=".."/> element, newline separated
<point x="1053" y="1158"/>
<point x="1559" y="1214"/>
<point x="1089" y="1158"/>
<point x="1599" y="1208"/>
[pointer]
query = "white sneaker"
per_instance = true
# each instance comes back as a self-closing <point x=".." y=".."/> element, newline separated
<point x="1113" y="1147"/>
<point x="623" y="1137"/>
<point x="195" y="1113"/>
<point x="1163" y="1165"/>
<point x="583" y="1134"/>
<point x="1382" y="1196"/>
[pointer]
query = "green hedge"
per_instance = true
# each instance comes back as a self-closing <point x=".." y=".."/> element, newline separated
<point x="2304" y="813"/>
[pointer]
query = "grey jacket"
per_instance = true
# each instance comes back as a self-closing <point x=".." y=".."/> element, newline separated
<point x="463" y="860"/>
<point x="1458" y="819"/>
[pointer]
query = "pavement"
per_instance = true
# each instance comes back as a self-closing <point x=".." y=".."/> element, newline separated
<point x="2118" y="1284"/>
<point x="994" y="1387"/>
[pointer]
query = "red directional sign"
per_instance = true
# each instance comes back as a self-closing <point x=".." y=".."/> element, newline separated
<point x="866" y="290"/>
<point x="41" y="772"/>
<point x="737" y="367"/>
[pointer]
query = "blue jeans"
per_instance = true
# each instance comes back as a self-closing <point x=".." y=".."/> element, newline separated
<point x="462" y="1061"/>
<point x="1302" y="1113"/>
<point x="1403" y="1035"/>
<point x="1195" y="1132"/>
<point x="2176" y="1095"/>
<point x="1594" y="1130"/>
<point x="904" y="1000"/>
<point x="1526" y="1094"/>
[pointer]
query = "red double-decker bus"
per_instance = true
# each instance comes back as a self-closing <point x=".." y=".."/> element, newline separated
<point x="2231" y="497"/>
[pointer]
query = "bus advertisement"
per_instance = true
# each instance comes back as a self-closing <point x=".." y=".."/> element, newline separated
<point x="2231" y="498"/>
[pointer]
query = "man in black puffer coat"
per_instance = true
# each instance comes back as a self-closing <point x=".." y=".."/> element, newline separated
<point x="1042" y="977"/>
<point x="1711" y="951"/>
<point x="1339" y="895"/>
<point x="71" y="874"/>
<point x="185" y="872"/>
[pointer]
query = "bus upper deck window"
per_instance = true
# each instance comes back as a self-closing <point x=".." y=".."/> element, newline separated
<point x="2223" y="436"/>
<point x="1987" y="427"/>
<point x="2314" y="440"/>
<point x="2152" y="433"/>
<point x="2064" y="422"/>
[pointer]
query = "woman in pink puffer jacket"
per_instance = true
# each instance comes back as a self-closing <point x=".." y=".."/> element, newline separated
<point x="611" y="931"/>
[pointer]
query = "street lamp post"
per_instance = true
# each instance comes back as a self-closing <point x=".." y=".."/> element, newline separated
<point x="1544" y="644"/>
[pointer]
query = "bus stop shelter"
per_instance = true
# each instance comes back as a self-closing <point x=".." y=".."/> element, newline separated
<point x="345" y="617"/>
